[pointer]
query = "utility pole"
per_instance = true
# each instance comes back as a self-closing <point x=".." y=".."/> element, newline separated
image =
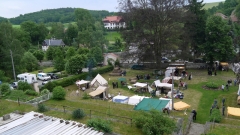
<point x="14" y="75"/>
<point x="172" y="91"/>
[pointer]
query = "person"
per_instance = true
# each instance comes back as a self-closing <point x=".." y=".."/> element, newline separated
<point x="235" y="82"/>
<point x="190" y="77"/>
<point x="227" y="86"/>
<point x="113" y="84"/>
<point x="223" y="100"/>
<point x="215" y="72"/>
<point x="223" y="110"/>
<point x="194" y="114"/>
<point x="223" y="87"/>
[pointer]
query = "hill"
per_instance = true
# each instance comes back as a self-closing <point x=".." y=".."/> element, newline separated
<point x="210" y="5"/>
<point x="2" y="18"/>
<point x="64" y="15"/>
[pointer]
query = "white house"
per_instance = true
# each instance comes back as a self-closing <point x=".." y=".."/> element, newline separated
<point x="114" y="22"/>
<point x="52" y="42"/>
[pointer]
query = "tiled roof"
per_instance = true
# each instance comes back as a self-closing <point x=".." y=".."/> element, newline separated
<point x="53" y="42"/>
<point x="112" y="19"/>
<point x="32" y="123"/>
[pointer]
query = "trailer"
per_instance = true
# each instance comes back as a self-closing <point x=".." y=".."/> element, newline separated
<point x="27" y="77"/>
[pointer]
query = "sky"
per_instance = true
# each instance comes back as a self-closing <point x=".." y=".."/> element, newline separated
<point x="13" y="8"/>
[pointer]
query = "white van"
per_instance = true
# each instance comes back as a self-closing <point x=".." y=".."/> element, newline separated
<point x="43" y="76"/>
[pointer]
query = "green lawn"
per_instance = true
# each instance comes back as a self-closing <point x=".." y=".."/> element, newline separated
<point x="45" y="70"/>
<point x="210" y="5"/>
<point x="111" y="35"/>
<point x="16" y="26"/>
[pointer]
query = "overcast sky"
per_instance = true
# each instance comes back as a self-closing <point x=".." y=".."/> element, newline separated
<point x="13" y="8"/>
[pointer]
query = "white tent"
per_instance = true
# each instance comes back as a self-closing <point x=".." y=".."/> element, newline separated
<point x="99" y="81"/>
<point x="165" y="85"/>
<point x="134" y="100"/>
<point x="156" y="83"/>
<point x="82" y="82"/>
<point x="120" y="99"/>
<point x="166" y="79"/>
<point x="169" y="105"/>
<point x="169" y="70"/>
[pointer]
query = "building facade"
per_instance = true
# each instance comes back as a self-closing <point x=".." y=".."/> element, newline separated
<point x="113" y="22"/>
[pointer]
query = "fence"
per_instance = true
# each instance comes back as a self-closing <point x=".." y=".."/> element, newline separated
<point x="91" y="113"/>
<point x="40" y="99"/>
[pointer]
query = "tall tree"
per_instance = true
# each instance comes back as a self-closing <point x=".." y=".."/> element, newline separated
<point x="39" y="54"/>
<point x="195" y="25"/>
<point x="218" y="44"/>
<point x="71" y="33"/>
<point x="155" y="26"/>
<point x="96" y="52"/>
<point x="58" y="60"/>
<point x="29" y="62"/>
<point x="75" y="64"/>
<point x="70" y="52"/>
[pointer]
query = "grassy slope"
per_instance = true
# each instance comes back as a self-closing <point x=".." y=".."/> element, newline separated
<point x="112" y="35"/>
<point x="210" y="5"/>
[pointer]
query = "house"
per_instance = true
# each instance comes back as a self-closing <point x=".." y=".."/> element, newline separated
<point x="113" y="22"/>
<point x="52" y="42"/>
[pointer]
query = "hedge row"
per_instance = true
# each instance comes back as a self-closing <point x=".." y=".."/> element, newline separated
<point x="72" y="79"/>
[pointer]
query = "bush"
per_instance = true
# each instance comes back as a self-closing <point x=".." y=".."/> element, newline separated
<point x="42" y="108"/>
<point x="5" y="89"/>
<point x="100" y="124"/>
<point x="117" y="63"/>
<point x="216" y="116"/>
<point x="31" y="92"/>
<point x="44" y="92"/>
<point x="212" y="85"/>
<point x="85" y="95"/>
<point x="78" y="114"/>
<point x="59" y="93"/>
<point x="50" y="86"/>
<point x="24" y="86"/>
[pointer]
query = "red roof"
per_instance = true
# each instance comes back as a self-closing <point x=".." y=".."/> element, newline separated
<point x="112" y="19"/>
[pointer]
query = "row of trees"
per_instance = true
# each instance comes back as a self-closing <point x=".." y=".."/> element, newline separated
<point x="157" y="26"/>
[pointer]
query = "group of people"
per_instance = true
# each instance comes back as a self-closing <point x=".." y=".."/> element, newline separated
<point x="229" y="83"/>
<point x="183" y="85"/>
<point x="215" y="106"/>
<point x="145" y="77"/>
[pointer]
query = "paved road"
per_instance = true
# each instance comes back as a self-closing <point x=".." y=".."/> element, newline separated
<point x="196" y="129"/>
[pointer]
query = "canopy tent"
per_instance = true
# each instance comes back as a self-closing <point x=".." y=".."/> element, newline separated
<point x="168" y="79"/>
<point x="122" y="79"/>
<point x="233" y="111"/>
<point x="169" y="71"/>
<point x="134" y="100"/>
<point x="181" y="105"/>
<point x="156" y="83"/>
<point x="98" y="81"/>
<point x="142" y="85"/>
<point x="165" y="85"/>
<point x="149" y="89"/>
<point x="82" y="82"/>
<point x="120" y="99"/>
<point x="169" y="105"/>
<point x="149" y="103"/>
<point x="100" y="90"/>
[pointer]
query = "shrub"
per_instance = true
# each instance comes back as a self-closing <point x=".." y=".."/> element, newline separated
<point x="212" y="85"/>
<point x="5" y="89"/>
<point x="216" y="116"/>
<point x="44" y="92"/>
<point x="100" y="124"/>
<point x="117" y="63"/>
<point x="78" y="114"/>
<point x="31" y="92"/>
<point x="24" y="86"/>
<point x="85" y="95"/>
<point x="59" y="93"/>
<point x="50" y="85"/>
<point x="42" y="108"/>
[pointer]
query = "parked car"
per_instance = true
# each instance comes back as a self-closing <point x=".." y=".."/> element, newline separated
<point x="43" y="76"/>
<point x="165" y="60"/>
<point x="53" y="75"/>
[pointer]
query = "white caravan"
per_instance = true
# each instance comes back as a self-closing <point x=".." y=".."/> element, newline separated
<point x="27" y="77"/>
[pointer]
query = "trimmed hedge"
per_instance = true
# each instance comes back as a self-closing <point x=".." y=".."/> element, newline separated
<point x="72" y="79"/>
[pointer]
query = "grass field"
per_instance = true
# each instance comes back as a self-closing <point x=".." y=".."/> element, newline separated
<point x="210" y="5"/>
<point x="112" y="35"/>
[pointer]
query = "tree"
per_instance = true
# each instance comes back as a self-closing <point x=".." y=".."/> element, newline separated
<point x="155" y="27"/>
<point x="29" y="61"/>
<point x="75" y="64"/>
<point x="96" y="52"/>
<point x="4" y="89"/>
<point x="50" y="53"/>
<point x="58" y="60"/>
<point x="155" y="123"/>
<point x="195" y="25"/>
<point x="71" y="33"/>
<point x="218" y="44"/>
<point x="39" y="54"/>
<point x="59" y="93"/>
<point x="57" y="30"/>
<point x="24" y="86"/>
<point x="70" y="52"/>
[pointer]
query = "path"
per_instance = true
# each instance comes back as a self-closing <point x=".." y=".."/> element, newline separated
<point x="196" y="129"/>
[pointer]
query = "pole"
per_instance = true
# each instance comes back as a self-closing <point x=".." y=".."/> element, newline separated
<point x="14" y="75"/>
<point x="172" y="91"/>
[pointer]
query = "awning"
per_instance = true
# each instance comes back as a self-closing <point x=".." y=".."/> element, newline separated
<point x="165" y="85"/>
<point x="98" y="91"/>
<point x="181" y="105"/>
<point x="233" y="111"/>
<point x="140" y="84"/>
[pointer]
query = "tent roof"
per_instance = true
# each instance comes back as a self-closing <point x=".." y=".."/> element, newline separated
<point x="122" y="79"/>
<point x="157" y="82"/>
<point x="133" y="100"/>
<point x="181" y="105"/>
<point x="98" y="91"/>
<point x="233" y="111"/>
<point x="166" y="85"/>
<point x="99" y="79"/>
<point x="148" y="103"/>
<point x="82" y="82"/>
<point x="140" y="84"/>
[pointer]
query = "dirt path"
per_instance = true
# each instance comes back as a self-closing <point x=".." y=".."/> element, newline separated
<point x="196" y="129"/>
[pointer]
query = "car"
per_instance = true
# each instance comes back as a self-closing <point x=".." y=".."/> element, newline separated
<point x="53" y="75"/>
<point x="165" y="60"/>
<point x="43" y="76"/>
<point x="44" y="82"/>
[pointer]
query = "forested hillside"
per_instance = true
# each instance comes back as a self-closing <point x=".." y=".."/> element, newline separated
<point x="225" y="8"/>
<point x="63" y="15"/>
